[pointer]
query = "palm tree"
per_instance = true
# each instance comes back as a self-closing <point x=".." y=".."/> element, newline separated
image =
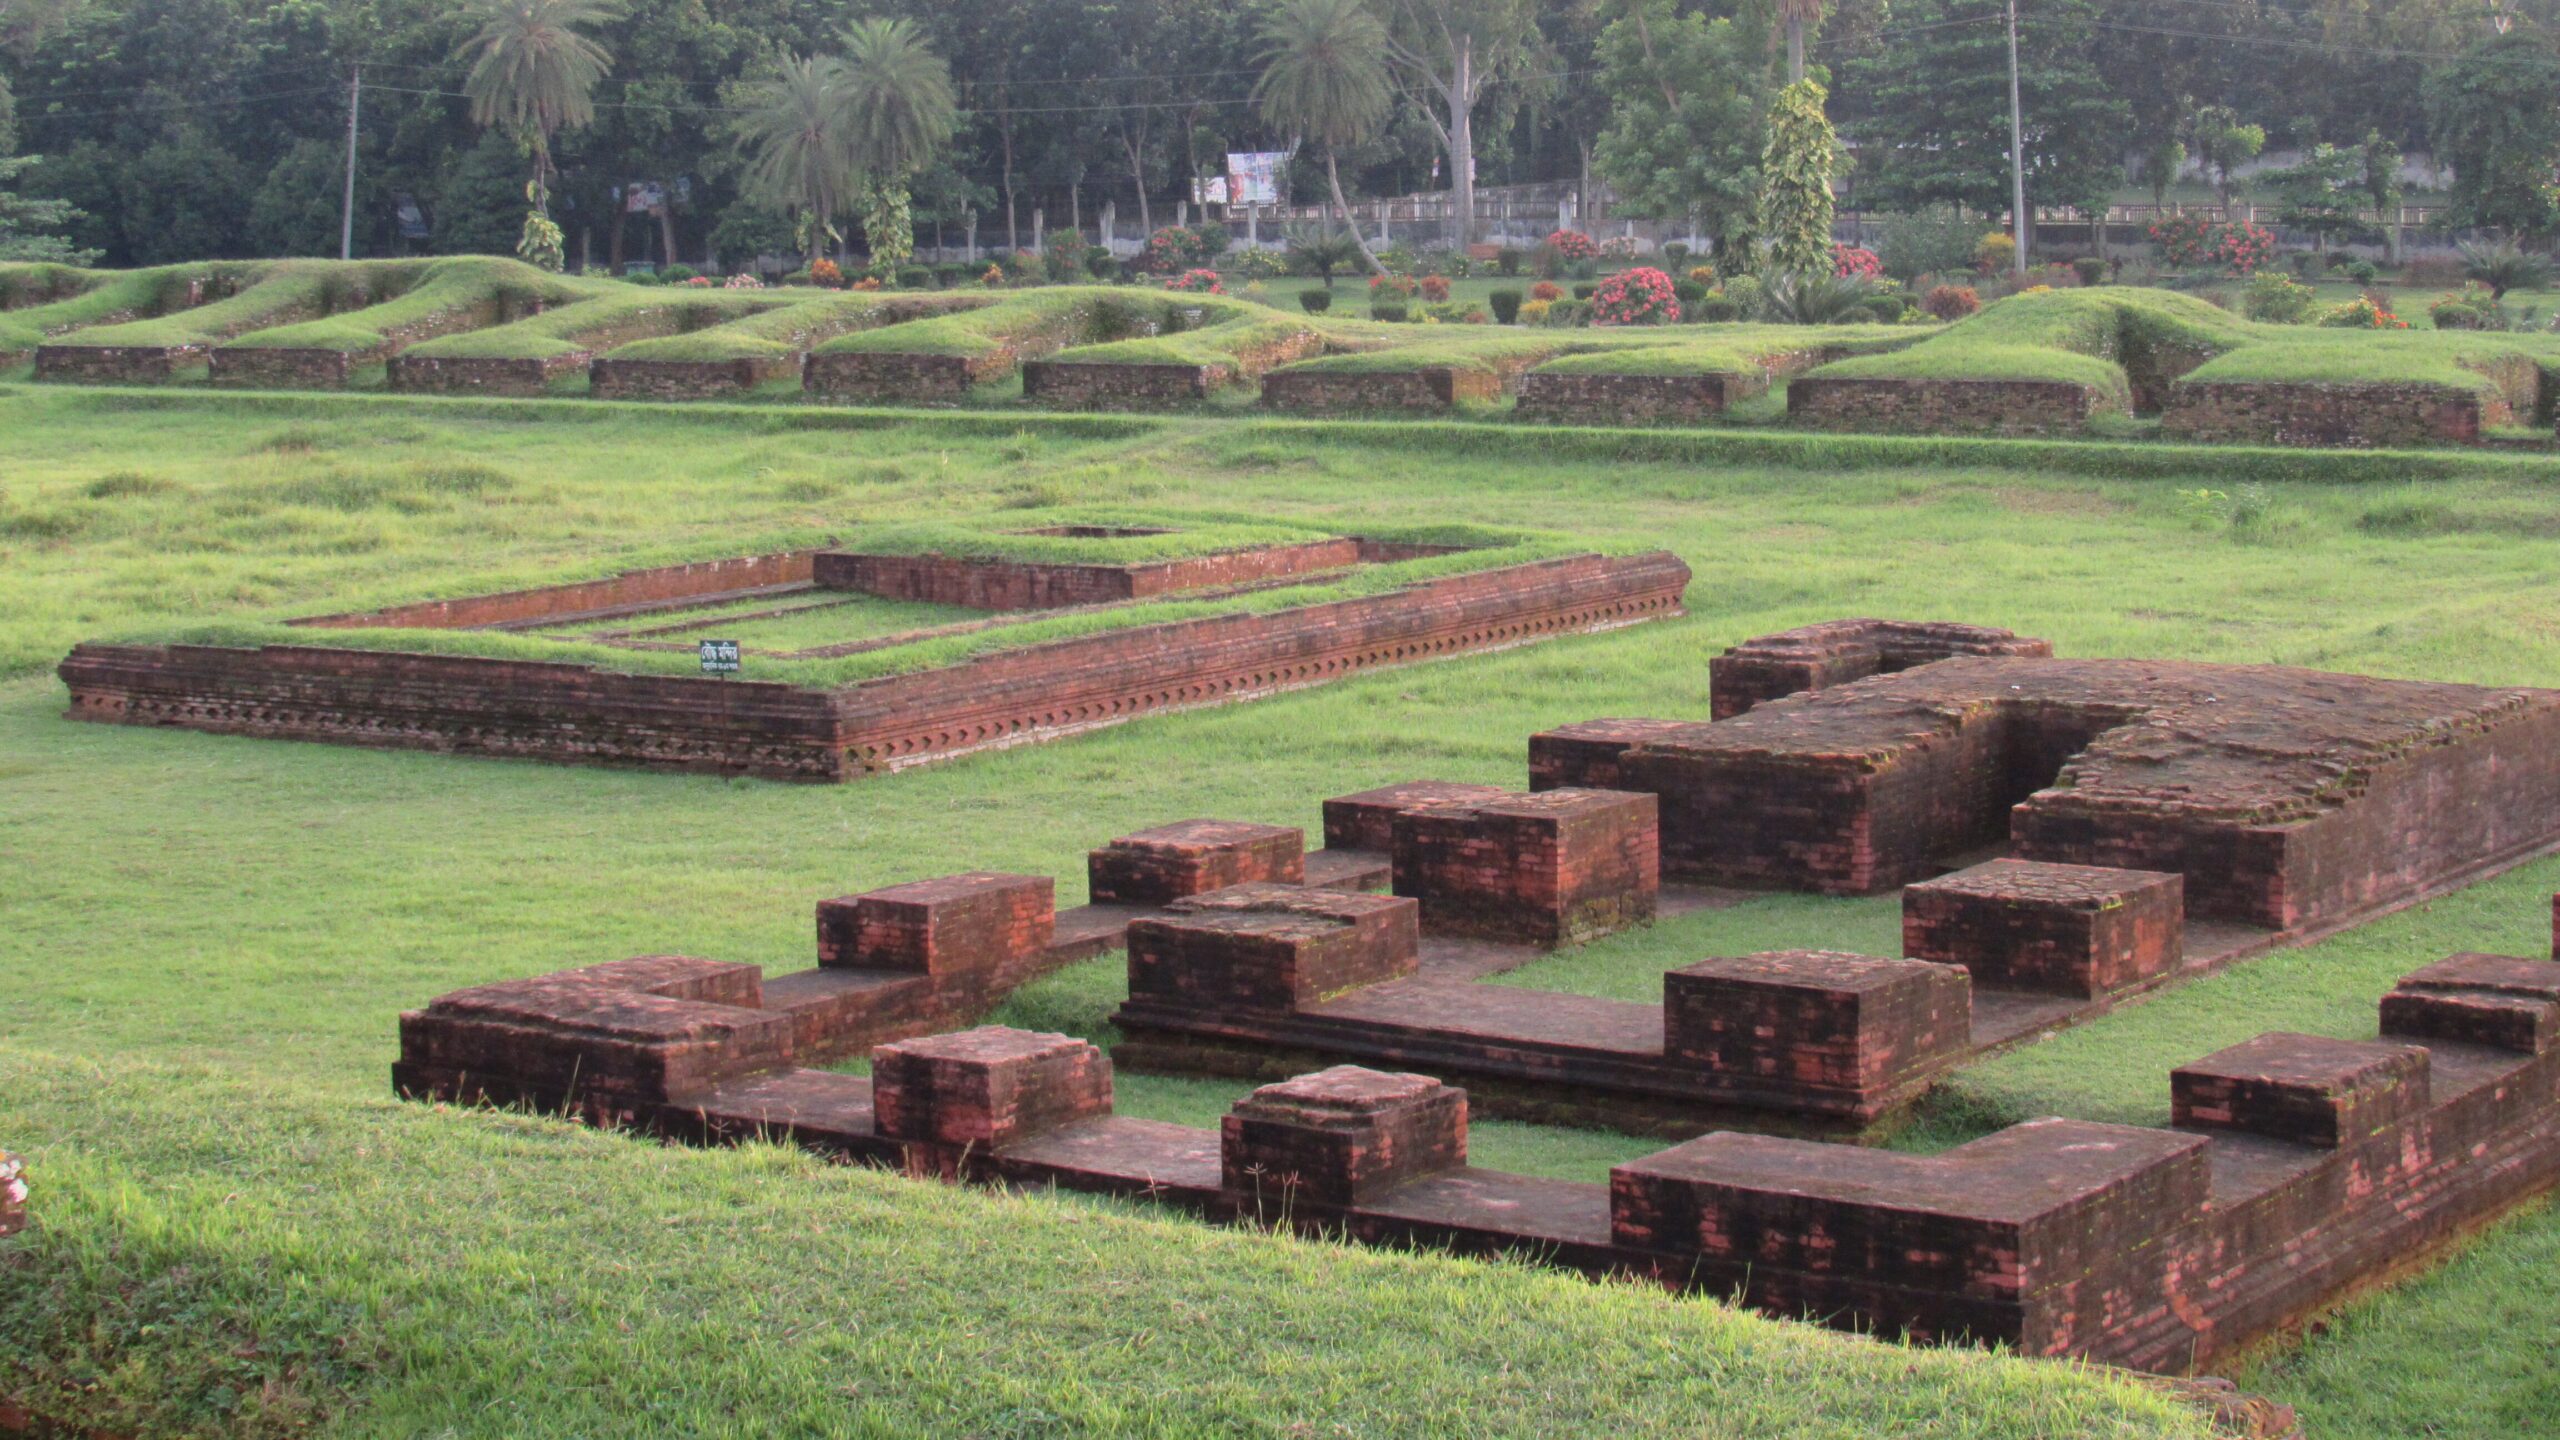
<point x="1324" y="76"/>
<point x="1799" y="15"/>
<point x="795" y="126"/>
<point x="534" y="72"/>
<point x="897" y="113"/>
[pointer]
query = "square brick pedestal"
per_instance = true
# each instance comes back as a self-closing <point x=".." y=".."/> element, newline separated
<point x="1553" y="868"/>
<point x="1585" y="756"/>
<point x="1160" y="866"/>
<point x="1271" y="948"/>
<point x="2474" y="999"/>
<point x="1366" y="821"/>
<point x="2079" y="930"/>
<point x="986" y="1087"/>
<point x="2308" y="1089"/>
<point x="1852" y="1029"/>
<point x="1342" y="1136"/>
<point x="977" y="921"/>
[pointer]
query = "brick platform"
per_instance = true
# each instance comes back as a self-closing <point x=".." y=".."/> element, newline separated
<point x="1020" y="585"/>
<point x="1341" y="1137"/>
<point x="1586" y="756"/>
<point x="941" y="927"/>
<point x="1427" y="389"/>
<point x="2351" y="415"/>
<point x="2301" y="1169"/>
<point x="1366" y="821"/>
<point x="13" y="1194"/>
<point x="2474" y="999"/>
<point x="1949" y="407"/>
<point x="1160" y="866"/>
<point x="1553" y="868"/>
<point x="1820" y="657"/>
<point x="1271" y="947"/>
<point x="2285" y="798"/>
<point x="1849" y="1027"/>
<point x="2070" y="929"/>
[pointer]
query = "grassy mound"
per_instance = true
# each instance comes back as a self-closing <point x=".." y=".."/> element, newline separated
<point x="471" y="290"/>
<point x="794" y="328"/>
<point x="615" y="315"/>
<point x="118" y="297"/>
<point x="285" y="292"/>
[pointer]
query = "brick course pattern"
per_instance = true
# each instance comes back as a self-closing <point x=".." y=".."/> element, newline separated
<point x="461" y="375"/>
<point x="941" y="927"/>
<point x="1820" y="657"/>
<point x="1554" y="868"/>
<point x="1586" y="399"/>
<point x="2357" y="416"/>
<point x="1018" y="585"/>
<point x="2077" y="930"/>
<point x="1948" y="407"/>
<point x="1271" y="948"/>
<point x="115" y="364"/>
<point x="2300" y="1168"/>
<point x="2285" y="797"/>
<point x="1367" y="821"/>
<point x="871" y="378"/>
<point x="580" y="714"/>
<point x="609" y="379"/>
<point x="1430" y="389"/>
<point x="1192" y="857"/>
<point x="1845" y="1027"/>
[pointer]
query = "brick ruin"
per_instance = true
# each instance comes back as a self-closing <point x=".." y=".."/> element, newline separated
<point x="2288" y="799"/>
<point x="581" y="714"/>
<point x="2356" y="416"/>
<point x="1426" y="389"/>
<point x="1948" y="407"/>
<point x="1587" y="398"/>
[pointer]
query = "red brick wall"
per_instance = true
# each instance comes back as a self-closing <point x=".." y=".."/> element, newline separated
<point x="2345" y="415"/>
<point x="630" y="588"/>
<point x="1946" y="407"/>
<point x="684" y="379"/>
<point x="1587" y="399"/>
<point x="1021" y="585"/>
<point x="1429" y="389"/>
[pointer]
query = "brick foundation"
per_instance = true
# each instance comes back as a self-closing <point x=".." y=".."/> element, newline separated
<point x="1848" y="1027"/>
<point x="941" y="927"/>
<point x="1366" y="821"/>
<point x="1341" y="1137"/>
<point x="986" y="1087"/>
<point x="1193" y="857"/>
<point x="1023" y="585"/>
<point x="1271" y="948"/>
<point x="2069" y="929"/>
<point x="1553" y="868"/>
<point x="1819" y="657"/>
<point x="1094" y="385"/>
<point x="609" y="379"/>
<point x="115" y="364"/>
<point x="1430" y="389"/>
<point x="2359" y="416"/>
<point x="1947" y="407"/>
<point x="1581" y="398"/>
<point x="283" y="367"/>
<point x="460" y="375"/>
<point x="873" y="378"/>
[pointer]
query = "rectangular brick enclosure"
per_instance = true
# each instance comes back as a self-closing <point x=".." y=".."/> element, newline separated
<point x="2296" y="1168"/>
<point x="2283" y="798"/>
<point x="1003" y="696"/>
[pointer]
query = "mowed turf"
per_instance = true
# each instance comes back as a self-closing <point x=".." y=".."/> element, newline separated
<point x="209" y="939"/>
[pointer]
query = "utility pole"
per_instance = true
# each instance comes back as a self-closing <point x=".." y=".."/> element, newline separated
<point x="347" y="207"/>
<point x="2017" y="153"/>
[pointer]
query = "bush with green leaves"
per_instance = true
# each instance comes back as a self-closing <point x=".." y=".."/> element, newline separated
<point x="1586" y="291"/>
<point x="1749" y="296"/>
<point x="1509" y="260"/>
<point x="1927" y="242"/>
<point x="2278" y="299"/>
<point x="2502" y="267"/>
<point x="677" y="274"/>
<point x="1392" y="312"/>
<point x="1322" y="253"/>
<point x="1262" y="263"/>
<point x="1718" y="308"/>
<point x="2092" y="269"/>
<point x="914" y="277"/>
<point x="1816" y="298"/>
<point x="1315" y="302"/>
<point x="2473" y="307"/>
<point x="1506" y="305"/>
<point x="1567" y="315"/>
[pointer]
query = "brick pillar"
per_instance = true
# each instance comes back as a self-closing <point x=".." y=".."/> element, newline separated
<point x="1555" y="868"/>
<point x="2307" y="1089"/>
<point x="1830" y="1032"/>
<point x="1270" y="948"/>
<point x="1340" y="1137"/>
<point x="985" y="1088"/>
<point x="977" y="921"/>
<point x="1193" y="857"/>
<point x="2080" y="930"/>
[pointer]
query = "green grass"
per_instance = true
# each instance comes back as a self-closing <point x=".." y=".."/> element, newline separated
<point x="792" y="329"/>
<point x="114" y="298"/>
<point x="1061" y="313"/>
<point x="241" y="1234"/>
<point x="462" y="290"/>
<point x="617" y="315"/>
<point x="285" y="292"/>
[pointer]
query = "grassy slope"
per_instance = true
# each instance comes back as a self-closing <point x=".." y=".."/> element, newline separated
<point x="203" y="1092"/>
<point x="462" y="283"/>
<point x="809" y="318"/>
<point x="284" y="291"/>
<point x="120" y="294"/>
<point x="615" y="314"/>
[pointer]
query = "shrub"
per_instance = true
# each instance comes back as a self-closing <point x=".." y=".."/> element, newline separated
<point x="1567" y="314"/>
<point x="1506" y="306"/>
<point x="1196" y="282"/>
<point x="1690" y="294"/>
<point x="2192" y="242"/>
<point x="2091" y="269"/>
<point x="826" y="272"/>
<point x="1951" y="302"/>
<point x="700" y="282"/>
<point x="1260" y="263"/>
<point x="2366" y="312"/>
<point x="866" y="283"/>
<point x="1102" y="268"/>
<point x="1718" y="308"/>
<point x="1535" y="312"/>
<point x="2473" y="307"/>
<point x="1172" y="249"/>
<point x="1573" y="246"/>
<point x="1399" y="259"/>
<point x="1704" y="275"/>
<point x="1391" y="311"/>
<point x="743" y="280"/>
<point x="1066" y="256"/>
<point x="2361" y="271"/>
<point x="1886" y="309"/>
<point x="994" y="276"/>
<point x="1621" y="247"/>
<point x="1674" y="255"/>
<point x="1994" y="252"/>
<point x="1642" y="296"/>
<point x="1749" y="295"/>
<point x="1926" y="242"/>
<point x="1851" y="262"/>
<point x="1509" y="259"/>
<point x="1315" y="301"/>
<point x="1817" y="299"/>
<point x="677" y="274"/>
<point x="1546" y="290"/>
<point x="2503" y="267"/>
<point x="914" y="277"/>
<point x="1435" y="288"/>
<point x="1546" y="262"/>
<point x="950" y="273"/>
<point x="1586" y="290"/>
<point x="799" y="277"/>
<point x="1210" y="241"/>
<point x="1454" y="312"/>
<point x="1393" y="287"/>
<point x="2278" y="299"/>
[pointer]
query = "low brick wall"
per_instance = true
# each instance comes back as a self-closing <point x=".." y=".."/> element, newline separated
<point x="455" y="375"/>
<point x="114" y="364"/>
<point x="631" y="589"/>
<point x="1014" y="585"/>
<point x="576" y="714"/>
<point x="1121" y="387"/>
<point x="920" y="379"/>
<point x="1430" y="389"/>
<point x="1590" y="399"/>
<point x="284" y="368"/>
<point x="2357" y="416"/>
<point x="1946" y="407"/>
<point x="685" y="379"/>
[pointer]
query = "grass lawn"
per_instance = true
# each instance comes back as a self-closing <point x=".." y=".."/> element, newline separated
<point x="209" y="939"/>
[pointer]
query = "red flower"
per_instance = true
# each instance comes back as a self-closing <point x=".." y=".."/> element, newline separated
<point x="1635" y="297"/>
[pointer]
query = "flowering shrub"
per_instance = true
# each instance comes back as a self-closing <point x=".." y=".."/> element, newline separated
<point x="742" y="281"/>
<point x="1435" y="288"/>
<point x="1546" y="290"/>
<point x="1535" y="312"/>
<point x="1703" y="274"/>
<point x="994" y="276"/>
<point x="1993" y="252"/>
<point x="1196" y="282"/>
<point x="867" y="282"/>
<point x="1392" y="287"/>
<point x="826" y="272"/>
<point x="2192" y="242"/>
<point x="1572" y="245"/>
<point x="2472" y="308"/>
<point x="1175" y="247"/>
<point x="700" y="282"/>
<point x="1853" y="262"/>
<point x="1635" y="297"/>
<point x="2364" y="313"/>
<point x="2278" y="299"/>
<point x="1951" y="302"/>
<point x="1620" y="247"/>
<point x="1262" y="263"/>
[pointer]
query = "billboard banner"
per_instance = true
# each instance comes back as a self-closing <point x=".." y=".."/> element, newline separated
<point x="1257" y="177"/>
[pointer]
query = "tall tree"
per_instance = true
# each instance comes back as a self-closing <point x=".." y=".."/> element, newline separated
<point x="533" y="74"/>
<point x="898" y="114"/>
<point x="2222" y="143"/>
<point x="2381" y="175"/>
<point x="1324" y="77"/>
<point x="800" y="161"/>
<point x="1449" y="52"/>
<point x="1800" y="16"/>
<point x="31" y="228"/>
<point x="2494" y="116"/>
<point x="1686" y="94"/>
<point x="1795" y="181"/>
